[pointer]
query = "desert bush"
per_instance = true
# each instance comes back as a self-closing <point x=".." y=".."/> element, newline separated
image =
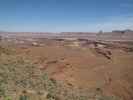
<point x="2" y="90"/>
<point x="6" y="50"/>
<point x="7" y="98"/>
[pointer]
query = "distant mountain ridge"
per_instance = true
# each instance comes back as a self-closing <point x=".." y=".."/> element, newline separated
<point x="123" y="31"/>
<point x="115" y="35"/>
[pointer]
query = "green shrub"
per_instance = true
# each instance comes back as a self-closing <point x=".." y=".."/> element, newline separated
<point x="7" y="98"/>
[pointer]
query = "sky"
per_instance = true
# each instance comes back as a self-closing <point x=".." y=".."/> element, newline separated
<point x="65" y="15"/>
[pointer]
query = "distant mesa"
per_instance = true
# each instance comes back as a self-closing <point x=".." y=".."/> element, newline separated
<point x="123" y="31"/>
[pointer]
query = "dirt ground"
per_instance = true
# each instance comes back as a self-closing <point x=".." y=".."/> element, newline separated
<point x="109" y="70"/>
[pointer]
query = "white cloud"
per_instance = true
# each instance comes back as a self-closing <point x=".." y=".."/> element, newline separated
<point x="117" y="24"/>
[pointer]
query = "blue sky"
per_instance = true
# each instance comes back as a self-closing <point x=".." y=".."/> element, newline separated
<point x="65" y="15"/>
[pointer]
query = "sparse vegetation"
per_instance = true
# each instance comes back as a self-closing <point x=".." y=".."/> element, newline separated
<point x="19" y="74"/>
